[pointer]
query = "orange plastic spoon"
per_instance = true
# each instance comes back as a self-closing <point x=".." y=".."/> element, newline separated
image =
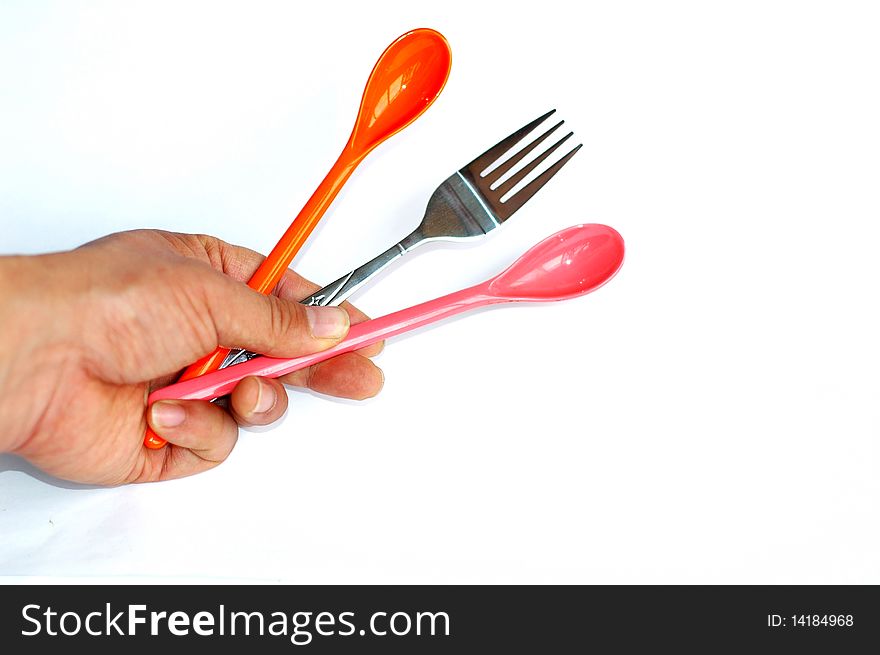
<point x="408" y="77"/>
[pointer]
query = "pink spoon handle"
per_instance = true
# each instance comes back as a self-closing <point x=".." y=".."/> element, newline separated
<point x="222" y="382"/>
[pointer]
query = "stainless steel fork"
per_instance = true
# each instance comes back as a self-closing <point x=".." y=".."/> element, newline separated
<point x="467" y="204"/>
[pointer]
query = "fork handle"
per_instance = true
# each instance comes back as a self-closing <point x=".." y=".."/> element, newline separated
<point x="336" y="292"/>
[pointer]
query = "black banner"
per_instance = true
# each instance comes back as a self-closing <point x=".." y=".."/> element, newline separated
<point x="449" y="619"/>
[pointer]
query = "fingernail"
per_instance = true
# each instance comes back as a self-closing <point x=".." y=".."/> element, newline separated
<point x="327" y="322"/>
<point x="266" y="398"/>
<point x="167" y="415"/>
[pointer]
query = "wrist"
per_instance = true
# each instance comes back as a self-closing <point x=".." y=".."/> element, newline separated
<point x="30" y="348"/>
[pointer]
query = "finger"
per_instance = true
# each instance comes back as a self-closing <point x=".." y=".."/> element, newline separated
<point x="258" y="401"/>
<point x="295" y="287"/>
<point x="240" y="263"/>
<point x="202" y="435"/>
<point x="349" y="375"/>
<point x="243" y="318"/>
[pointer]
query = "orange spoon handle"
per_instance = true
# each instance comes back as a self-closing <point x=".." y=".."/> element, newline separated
<point x="273" y="267"/>
<point x="270" y="272"/>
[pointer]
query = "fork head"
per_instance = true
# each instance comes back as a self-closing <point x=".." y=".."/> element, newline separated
<point x="495" y="158"/>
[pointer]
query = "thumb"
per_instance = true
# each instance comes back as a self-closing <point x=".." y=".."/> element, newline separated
<point x="271" y="325"/>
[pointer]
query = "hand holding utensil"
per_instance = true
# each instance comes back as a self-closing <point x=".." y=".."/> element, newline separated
<point x="571" y="263"/>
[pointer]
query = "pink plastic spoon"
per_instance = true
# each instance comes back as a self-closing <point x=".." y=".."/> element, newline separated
<point x="572" y="262"/>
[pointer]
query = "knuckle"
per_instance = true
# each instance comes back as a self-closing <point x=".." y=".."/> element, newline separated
<point x="214" y="250"/>
<point x="284" y="317"/>
<point x="193" y="300"/>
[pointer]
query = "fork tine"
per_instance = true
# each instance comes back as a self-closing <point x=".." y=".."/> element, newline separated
<point x="517" y="157"/>
<point x="481" y="163"/>
<point x="523" y="195"/>
<point x="520" y="175"/>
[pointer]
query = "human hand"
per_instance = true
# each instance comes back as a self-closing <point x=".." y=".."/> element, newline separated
<point x="86" y="335"/>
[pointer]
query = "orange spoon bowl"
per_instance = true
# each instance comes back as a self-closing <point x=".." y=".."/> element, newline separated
<point x="408" y="77"/>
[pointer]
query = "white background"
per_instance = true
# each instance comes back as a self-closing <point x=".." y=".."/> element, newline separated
<point x="712" y="415"/>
